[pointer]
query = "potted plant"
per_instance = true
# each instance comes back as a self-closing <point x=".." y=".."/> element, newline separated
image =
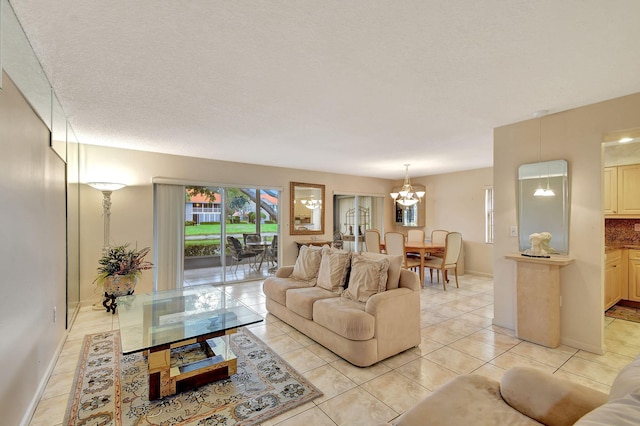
<point x="119" y="269"/>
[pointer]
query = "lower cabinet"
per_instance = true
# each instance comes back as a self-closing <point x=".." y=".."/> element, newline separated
<point x="634" y="275"/>
<point x="615" y="278"/>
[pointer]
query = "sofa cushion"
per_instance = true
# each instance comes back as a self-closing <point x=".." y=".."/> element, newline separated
<point x="627" y="381"/>
<point x="275" y="288"/>
<point x="368" y="277"/>
<point x="620" y="412"/>
<point x="307" y="264"/>
<point x="395" y="265"/>
<point x="546" y="398"/>
<point x="333" y="269"/>
<point x="464" y="400"/>
<point x="300" y="300"/>
<point x="345" y="318"/>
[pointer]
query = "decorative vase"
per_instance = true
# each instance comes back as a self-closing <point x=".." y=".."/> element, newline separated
<point x="115" y="286"/>
<point x="120" y="285"/>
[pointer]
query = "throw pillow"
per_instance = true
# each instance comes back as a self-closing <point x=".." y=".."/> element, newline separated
<point x="307" y="263"/>
<point x="368" y="277"/>
<point x="395" y="265"/>
<point x="333" y="269"/>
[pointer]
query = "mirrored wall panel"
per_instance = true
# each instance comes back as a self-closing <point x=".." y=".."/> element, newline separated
<point x="543" y="205"/>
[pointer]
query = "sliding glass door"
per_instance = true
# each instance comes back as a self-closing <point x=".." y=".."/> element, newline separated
<point x="229" y="234"/>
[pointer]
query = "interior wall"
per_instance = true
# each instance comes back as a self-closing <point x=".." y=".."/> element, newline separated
<point x="32" y="256"/>
<point x="132" y="206"/>
<point x="455" y="202"/>
<point x="575" y="135"/>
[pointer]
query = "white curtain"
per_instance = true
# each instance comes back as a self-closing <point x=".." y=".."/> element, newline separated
<point x="168" y="228"/>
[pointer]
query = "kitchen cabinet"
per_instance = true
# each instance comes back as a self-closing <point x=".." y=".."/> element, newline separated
<point x="634" y="275"/>
<point x="615" y="279"/>
<point x="610" y="190"/>
<point x="622" y="191"/>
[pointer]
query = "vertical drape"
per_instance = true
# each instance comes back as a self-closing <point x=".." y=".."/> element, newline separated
<point x="168" y="229"/>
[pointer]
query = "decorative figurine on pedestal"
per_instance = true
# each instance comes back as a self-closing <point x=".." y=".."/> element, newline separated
<point x="536" y="249"/>
<point x="546" y="239"/>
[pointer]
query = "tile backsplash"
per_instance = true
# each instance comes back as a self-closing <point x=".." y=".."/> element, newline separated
<point x="621" y="231"/>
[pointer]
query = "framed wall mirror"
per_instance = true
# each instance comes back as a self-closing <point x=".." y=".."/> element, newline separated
<point x="307" y="209"/>
<point x="543" y="204"/>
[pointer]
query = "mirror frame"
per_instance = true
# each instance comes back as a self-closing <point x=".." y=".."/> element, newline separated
<point x="292" y="202"/>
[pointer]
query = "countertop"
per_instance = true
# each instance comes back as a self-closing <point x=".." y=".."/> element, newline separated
<point x="611" y="247"/>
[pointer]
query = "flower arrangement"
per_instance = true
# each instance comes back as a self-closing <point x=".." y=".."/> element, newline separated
<point x="122" y="261"/>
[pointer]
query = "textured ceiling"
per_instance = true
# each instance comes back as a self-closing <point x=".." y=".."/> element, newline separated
<point x="357" y="87"/>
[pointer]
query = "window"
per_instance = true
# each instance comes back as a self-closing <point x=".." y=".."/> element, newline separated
<point x="488" y="214"/>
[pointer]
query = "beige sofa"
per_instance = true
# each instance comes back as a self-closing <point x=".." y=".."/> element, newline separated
<point x="360" y="324"/>
<point x="526" y="396"/>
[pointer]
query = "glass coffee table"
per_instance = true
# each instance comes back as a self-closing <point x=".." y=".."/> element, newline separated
<point x="185" y="334"/>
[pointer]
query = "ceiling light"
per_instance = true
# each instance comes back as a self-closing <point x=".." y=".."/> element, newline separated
<point x="407" y="197"/>
<point x="625" y="140"/>
<point x="540" y="191"/>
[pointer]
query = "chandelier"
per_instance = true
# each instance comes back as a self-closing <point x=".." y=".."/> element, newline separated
<point x="407" y="197"/>
<point x="311" y="203"/>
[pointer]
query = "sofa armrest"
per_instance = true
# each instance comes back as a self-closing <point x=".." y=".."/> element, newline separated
<point x="397" y="320"/>
<point x="409" y="279"/>
<point x="548" y="399"/>
<point x="284" y="271"/>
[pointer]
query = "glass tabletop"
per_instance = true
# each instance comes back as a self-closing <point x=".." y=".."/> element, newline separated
<point x="154" y="319"/>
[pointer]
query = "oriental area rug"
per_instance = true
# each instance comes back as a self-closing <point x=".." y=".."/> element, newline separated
<point x="623" y="312"/>
<point x="112" y="389"/>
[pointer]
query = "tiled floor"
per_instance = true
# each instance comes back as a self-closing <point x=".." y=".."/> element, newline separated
<point x="457" y="338"/>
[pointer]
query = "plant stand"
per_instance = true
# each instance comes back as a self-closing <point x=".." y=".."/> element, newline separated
<point x="110" y="303"/>
<point x="116" y="286"/>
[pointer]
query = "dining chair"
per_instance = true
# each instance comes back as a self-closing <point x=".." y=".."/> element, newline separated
<point x="338" y="241"/>
<point x="438" y="237"/>
<point x="394" y="244"/>
<point x="452" y="249"/>
<point x="272" y="254"/>
<point x="415" y="235"/>
<point x="372" y="240"/>
<point x="238" y="253"/>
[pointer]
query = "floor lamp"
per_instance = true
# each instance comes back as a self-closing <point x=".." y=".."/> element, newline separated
<point x="106" y="188"/>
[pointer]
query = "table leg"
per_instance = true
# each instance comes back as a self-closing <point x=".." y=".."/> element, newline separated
<point x="422" y="254"/>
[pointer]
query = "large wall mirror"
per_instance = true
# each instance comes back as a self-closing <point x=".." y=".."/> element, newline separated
<point x="544" y="204"/>
<point x="307" y="209"/>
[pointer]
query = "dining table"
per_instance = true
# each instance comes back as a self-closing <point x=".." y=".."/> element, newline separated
<point x="422" y="247"/>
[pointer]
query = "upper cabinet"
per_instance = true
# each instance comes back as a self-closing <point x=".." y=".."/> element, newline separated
<point x="622" y="191"/>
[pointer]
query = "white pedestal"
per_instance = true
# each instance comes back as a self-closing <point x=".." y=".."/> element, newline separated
<point x="538" y="298"/>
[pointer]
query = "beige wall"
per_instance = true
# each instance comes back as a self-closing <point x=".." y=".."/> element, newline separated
<point x="132" y="207"/>
<point x="454" y="201"/>
<point x="32" y="256"/>
<point x="575" y="135"/>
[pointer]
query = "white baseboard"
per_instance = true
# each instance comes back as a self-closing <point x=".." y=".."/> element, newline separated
<point x="31" y="408"/>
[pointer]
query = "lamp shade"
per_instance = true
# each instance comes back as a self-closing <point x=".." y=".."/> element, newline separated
<point x="106" y="186"/>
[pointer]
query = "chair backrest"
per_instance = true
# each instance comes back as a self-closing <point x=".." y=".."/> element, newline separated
<point x="453" y="246"/>
<point x="415" y="235"/>
<point x="252" y="238"/>
<point x="274" y="243"/>
<point x="372" y="240"/>
<point x="245" y="237"/>
<point x="394" y="243"/>
<point x="439" y="236"/>
<point x="338" y="240"/>
<point x="235" y="244"/>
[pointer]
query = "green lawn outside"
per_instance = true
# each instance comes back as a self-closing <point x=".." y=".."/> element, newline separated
<point x="232" y="228"/>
